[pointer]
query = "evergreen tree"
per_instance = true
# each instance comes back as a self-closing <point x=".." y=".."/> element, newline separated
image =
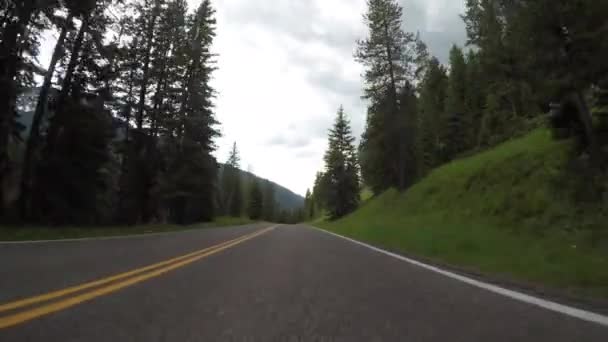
<point x="492" y="121"/>
<point x="21" y="25"/>
<point x="458" y="121"/>
<point x="269" y="202"/>
<point x="149" y="19"/>
<point x="166" y="66"/>
<point x="193" y="192"/>
<point x="433" y="92"/>
<point x="411" y="154"/>
<point x="342" y="169"/>
<point x="474" y="99"/>
<point x="566" y="41"/>
<point x="33" y="139"/>
<point x="77" y="147"/>
<point x="309" y="205"/>
<point x="82" y="75"/>
<point x="502" y="64"/>
<point x="377" y="161"/>
<point x="256" y="205"/>
<point x="392" y="59"/>
<point x="319" y="191"/>
<point x="232" y="188"/>
<point x="144" y="162"/>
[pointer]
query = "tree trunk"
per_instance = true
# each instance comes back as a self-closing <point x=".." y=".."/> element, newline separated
<point x="67" y="84"/>
<point x="34" y="136"/>
<point x="158" y="99"/>
<point x="9" y="56"/>
<point x="586" y="120"/>
<point x="146" y="66"/>
<point x="393" y="90"/>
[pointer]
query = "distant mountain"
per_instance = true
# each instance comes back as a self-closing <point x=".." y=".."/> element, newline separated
<point x="285" y="198"/>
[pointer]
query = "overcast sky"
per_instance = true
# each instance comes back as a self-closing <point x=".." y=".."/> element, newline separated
<point x="285" y="66"/>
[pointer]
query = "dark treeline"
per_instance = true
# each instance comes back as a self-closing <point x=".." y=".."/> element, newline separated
<point x="123" y="126"/>
<point x="526" y="63"/>
<point x="244" y="194"/>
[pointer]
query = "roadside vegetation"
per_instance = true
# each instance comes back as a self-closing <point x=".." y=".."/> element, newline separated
<point x="496" y="160"/>
<point x="30" y="233"/>
<point x="516" y="210"/>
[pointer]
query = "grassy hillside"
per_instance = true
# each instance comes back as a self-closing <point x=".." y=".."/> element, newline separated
<point x="520" y="210"/>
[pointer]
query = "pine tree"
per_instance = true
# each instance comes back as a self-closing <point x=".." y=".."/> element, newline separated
<point x="21" y="26"/>
<point x="193" y="192"/>
<point x="232" y="188"/>
<point x="474" y="98"/>
<point x="409" y="140"/>
<point x="377" y="161"/>
<point x="492" y="122"/>
<point x="309" y="205"/>
<point x="92" y="22"/>
<point x="501" y="63"/>
<point x="566" y="41"/>
<point x="149" y="17"/>
<point x="342" y="169"/>
<point x="319" y="192"/>
<point x="256" y="205"/>
<point x="433" y="94"/>
<point x="392" y="59"/>
<point x="77" y="147"/>
<point x="458" y="121"/>
<point x="33" y="140"/>
<point x="269" y="202"/>
<point x="142" y="91"/>
<point x="485" y="28"/>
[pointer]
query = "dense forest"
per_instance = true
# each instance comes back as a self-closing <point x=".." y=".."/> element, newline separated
<point x="243" y="193"/>
<point x="527" y="64"/>
<point x="121" y="125"/>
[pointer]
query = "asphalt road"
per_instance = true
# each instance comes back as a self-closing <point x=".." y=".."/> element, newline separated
<point x="291" y="283"/>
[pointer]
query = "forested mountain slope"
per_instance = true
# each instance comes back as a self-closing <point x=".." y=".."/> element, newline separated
<point x="284" y="198"/>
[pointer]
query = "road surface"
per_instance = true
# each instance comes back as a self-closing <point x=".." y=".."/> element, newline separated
<point x="284" y="283"/>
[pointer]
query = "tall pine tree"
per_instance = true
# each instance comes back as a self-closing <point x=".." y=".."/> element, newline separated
<point x="194" y="169"/>
<point x="392" y="59"/>
<point x="255" y="208"/>
<point x="458" y="121"/>
<point x="341" y="168"/>
<point x="433" y="92"/>
<point x="232" y="188"/>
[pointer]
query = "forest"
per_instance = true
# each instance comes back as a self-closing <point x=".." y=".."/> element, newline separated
<point x="120" y="125"/>
<point x="527" y="64"/>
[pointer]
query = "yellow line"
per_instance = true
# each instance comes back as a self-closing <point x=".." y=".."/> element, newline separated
<point x="28" y="315"/>
<point x="60" y="293"/>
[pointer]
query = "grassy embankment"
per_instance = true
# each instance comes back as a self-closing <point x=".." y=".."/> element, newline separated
<point x="520" y="210"/>
<point x="53" y="233"/>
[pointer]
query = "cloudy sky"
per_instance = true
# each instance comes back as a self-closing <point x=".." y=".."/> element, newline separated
<point x="285" y="66"/>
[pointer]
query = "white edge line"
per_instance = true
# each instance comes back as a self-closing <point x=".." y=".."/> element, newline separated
<point x="114" y="237"/>
<point x="546" y="304"/>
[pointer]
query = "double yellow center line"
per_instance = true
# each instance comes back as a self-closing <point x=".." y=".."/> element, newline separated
<point x="107" y="285"/>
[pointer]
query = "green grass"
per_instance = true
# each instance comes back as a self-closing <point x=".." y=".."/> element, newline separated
<point x="366" y="195"/>
<point x="55" y="233"/>
<point x="517" y="210"/>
